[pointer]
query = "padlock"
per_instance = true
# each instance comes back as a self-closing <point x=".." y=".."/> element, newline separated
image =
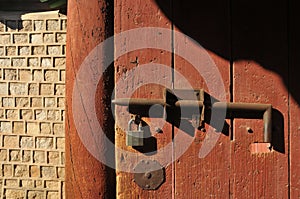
<point x="134" y="138"/>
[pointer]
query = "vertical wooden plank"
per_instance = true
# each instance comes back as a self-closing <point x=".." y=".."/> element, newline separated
<point x="203" y="170"/>
<point x="135" y="79"/>
<point x="89" y="23"/>
<point x="260" y="76"/>
<point x="294" y="88"/>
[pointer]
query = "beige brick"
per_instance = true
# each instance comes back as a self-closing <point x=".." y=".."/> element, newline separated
<point x="52" y="24"/>
<point x="26" y="114"/>
<point x="34" y="89"/>
<point x="22" y="102"/>
<point x="26" y="156"/>
<point x="38" y="75"/>
<point x="14" y="194"/>
<point x="27" y="183"/>
<point x="34" y="171"/>
<point x="21" y="171"/>
<point x="24" y="50"/>
<point x="10" y="74"/>
<point x="52" y="195"/>
<point x="3" y="88"/>
<point x="12" y="114"/>
<point x="59" y="89"/>
<point x="11" y="183"/>
<point x="3" y="155"/>
<point x="15" y="155"/>
<point x="39" y="157"/>
<point x="38" y="50"/>
<point x="33" y="128"/>
<point x="7" y="170"/>
<point x="11" y="51"/>
<point x="25" y="75"/>
<point x="8" y="102"/>
<point x="50" y="102"/>
<point x="18" y="62"/>
<point x="36" y="38"/>
<point x="53" y="115"/>
<point x="25" y="25"/>
<point x="60" y="143"/>
<point x="53" y="157"/>
<point x="49" y="38"/>
<point x="53" y="50"/>
<point x="6" y="127"/>
<point x="35" y="195"/>
<point x="61" y="37"/>
<point x="50" y="184"/>
<point x="36" y="102"/>
<point x="18" y="127"/>
<point x="51" y="75"/>
<point x="40" y="115"/>
<point x="33" y="62"/>
<point x="5" y="62"/>
<point x="4" y="39"/>
<point x="46" y="89"/>
<point x="18" y="88"/>
<point x="44" y="143"/>
<point x="39" y="25"/>
<point x="61" y="102"/>
<point x="20" y="38"/>
<point x="61" y="172"/>
<point x="39" y="184"/>
<point x="59" y="62"/>
<point x="27" y="142"/>
<point x="48" y="172"/>
<point x="46" y="62"/>
<point x="45" y="128"/>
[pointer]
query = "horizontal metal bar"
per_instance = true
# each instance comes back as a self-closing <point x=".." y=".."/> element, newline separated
<point x="189" y="104"/>
<point x="193" y="104"/>
<point x="138" y="102"/>
<point x="249" y="107"/>
<point x="230" y="106"/>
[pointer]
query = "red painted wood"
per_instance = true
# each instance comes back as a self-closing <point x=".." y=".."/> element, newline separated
<point x="207" y="176"/>
<point x="260" y="76"/>
<point x="86" y="177"/>
<point x="294" y="88"/>
<point x="130" y="77"/>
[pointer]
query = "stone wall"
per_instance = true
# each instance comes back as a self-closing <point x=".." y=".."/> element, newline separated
<point x="32" y="91"/>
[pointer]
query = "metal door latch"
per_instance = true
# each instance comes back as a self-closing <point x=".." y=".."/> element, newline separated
<point x="194" y="105"/>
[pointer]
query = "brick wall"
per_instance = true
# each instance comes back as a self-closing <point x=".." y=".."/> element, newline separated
<point x="32" y="91"/>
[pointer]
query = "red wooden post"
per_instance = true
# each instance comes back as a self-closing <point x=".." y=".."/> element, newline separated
<point x="89" y="23"/>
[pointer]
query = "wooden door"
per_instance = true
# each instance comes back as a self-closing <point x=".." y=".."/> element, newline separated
<point x="249" y="46"/>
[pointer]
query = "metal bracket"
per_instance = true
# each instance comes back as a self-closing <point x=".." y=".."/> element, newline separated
<point x="193" y="103"/>
<point x="149" y="174"/>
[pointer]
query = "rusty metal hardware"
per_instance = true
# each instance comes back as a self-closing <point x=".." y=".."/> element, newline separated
<point x="195" y="105"/>
<point x="149" y="174"/>
<point x="134" y="138"/>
